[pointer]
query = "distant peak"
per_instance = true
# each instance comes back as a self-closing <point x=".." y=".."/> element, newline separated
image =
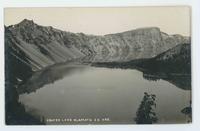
<point x="149" y="28"/>
<point x="26" y="22"/>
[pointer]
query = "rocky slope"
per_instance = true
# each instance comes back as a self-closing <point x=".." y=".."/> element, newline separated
<point x="174" y="60"/>
<point x="177" y="59"/>
<point x="176" y="54"/>
<point x="39" y="46"/>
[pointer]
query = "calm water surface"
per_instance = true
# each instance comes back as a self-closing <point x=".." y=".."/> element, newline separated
<point x="84" y="92"/>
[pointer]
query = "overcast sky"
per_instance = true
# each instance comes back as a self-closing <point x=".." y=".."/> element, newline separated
<point x="100" y="21"/>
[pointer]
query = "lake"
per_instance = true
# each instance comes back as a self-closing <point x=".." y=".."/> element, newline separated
<point x="82" y="94"/>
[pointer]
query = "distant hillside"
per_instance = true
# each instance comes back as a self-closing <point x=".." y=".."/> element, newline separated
<point x="174" y="60"/>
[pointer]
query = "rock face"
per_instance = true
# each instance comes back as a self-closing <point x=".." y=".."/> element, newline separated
<point x="175" y="60"/>
<point x="178" y="53"/>
<point x="39" y="46"/>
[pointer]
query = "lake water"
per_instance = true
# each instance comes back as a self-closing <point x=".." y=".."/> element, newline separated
<point x="80" y="94"/>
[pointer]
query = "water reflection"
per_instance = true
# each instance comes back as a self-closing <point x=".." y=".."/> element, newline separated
<point x="95" y="92"/>
<point x="182" y="81"/>
<point x="146" y="112"/>
<point x="59" y="71"/>
<point x="49" y="76"/>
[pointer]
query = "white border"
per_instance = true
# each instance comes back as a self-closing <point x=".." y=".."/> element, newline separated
<point x="195" y="5"/>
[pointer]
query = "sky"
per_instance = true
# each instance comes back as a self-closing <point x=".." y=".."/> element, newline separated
<point x="105" y="20"/>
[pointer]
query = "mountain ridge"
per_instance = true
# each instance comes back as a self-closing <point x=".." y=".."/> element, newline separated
<point x="44" y="45"/>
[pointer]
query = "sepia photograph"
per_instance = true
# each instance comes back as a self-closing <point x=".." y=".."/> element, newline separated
<point x="98" y="65"/>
